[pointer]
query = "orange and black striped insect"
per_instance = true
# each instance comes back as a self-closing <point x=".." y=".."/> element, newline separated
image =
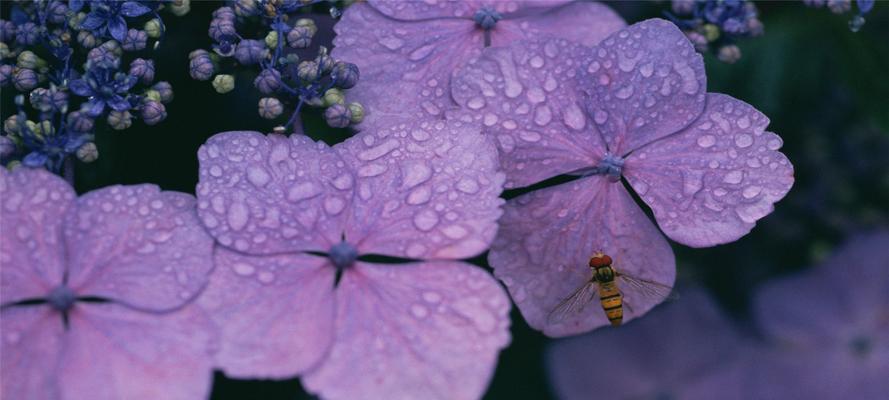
<point x="609" y="283"/>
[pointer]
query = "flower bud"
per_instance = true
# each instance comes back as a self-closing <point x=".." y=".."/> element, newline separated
<point x="180" y="7"/>
<point x="221" y="28"/>
<point x="245" y="8"/>
<point x="345" y="75"/>
<point x="333" y="96"/>
<point x="268" y="81"/>
<point x="710" y="31"/>
<point x="165" y="90"/>
<point x="325" y="61"/>
<point x="11" y="125"/>
<point x="86" y="39"/>
<point x="729" y="54"/>
<point x="270" y="107"/>
<point x="224" y="13"/>
<point x="27" y="34"/>
<point x="839" y="6"/>
<point x="27" y="59"/>
<point x="57" y="12"/>
<point x="223" y="83"/>
<point x="338" y="116"/>
<point x="153" y="112"/>
<point x="4" y="51"/>
<point x="249" y="51"/>
<point x="7" y="31"/>
<point x="271" y="39"/>
<point x="300" y="37"/>
<point x="80" y="122"/>
<point x="120" y="120"/>
<point x="87" y="152"/>
<point x="307" y="23"/>
<point x="7" y="146"/>
<point x="102" y="57"/>
<point x="357" y="112"/>
<point x="201" y="66"/>
<point x="5" y="74"/>
<point x="142" y="69"/>
<point x="153" y="28"/>
<point x="308" y="71"/>
<point x="24" y="79"/>
<point x="135" y="40"/>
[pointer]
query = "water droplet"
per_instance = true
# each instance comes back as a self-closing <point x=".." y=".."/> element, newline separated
<point x="641" y="187"/>
<point x="419" y="311"/>
<point x="334" y="205"/>
<point x="302" y="191"/>
<point x="476" y="103"/>
<point x="421" y="52"/>
<point x="624" y="92"/>
<point x="743" y="122"/>
<point x="467" y="185"/>
<point x="689" y="82"/>
<point x="415" y="173"/>
<point x="510" y="124"/>
<point x="542" y="115"/>
<point x="692" y="182"/>
<point x="258" y="176"/>
<point x="237" y="216"/>
<point x="751" y="191"/>
<point x="379" y="151"/>
<point x="573" y="117"/>
<point x="425" y="220"/>
<point x="455" y="232"/>
<point x="266" y="277"/>
<point x="743" y="140"/>
<point x="593" y="67"/>
<point x="550" y="84"/>
<point x="432" y="297"/>
<point x="343" y="182"/>
<point x="489" y="119"/>
<point x="536" y="95"/>
<point x="536" y="62"/>
<point x="733" y="177"/>
<point x="646" y="70"/>
<point x="419" y="195"/>
<point x="604" y="79"/>
<point x="706" y="141"/>
<point x="551" y="49"/>
<point x="392" y="43"/>
<point x="243" y="269"/>
<point x="774" y="144"/>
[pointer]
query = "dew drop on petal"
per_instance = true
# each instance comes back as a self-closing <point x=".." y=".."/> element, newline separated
<point x="419" y="311"/>
<point x="258" y="176"/>
<point x="543" y="115"/>
<point x="243" y="269"/>
<point x="706" y="141"/>
<point x="573" y="117"/>
<point x="751" y="191"/>
<point x="733" y="177"/>
<point x="743" y="140"/>
<point x="237" y="216"/>
<point x="425" y="220"/>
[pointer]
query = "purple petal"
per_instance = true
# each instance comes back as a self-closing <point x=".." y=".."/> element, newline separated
<point x="643" y="82"/>
<point x="92" y="22"/>
<point x="661" y="355"/>
<point x="404" y="70"/>
<point x="157" y="356"/>
<point x="428" y="330"/>
<point x="94" y="107"/>
<point x="418" y="10"/>
<point x="582" y="22"/>
<point x="118" y="28"/>
<point x="531" y="108"/>
<point x="424" y="190"/>
<point x="133" y="9"/>
<point x="547" y="237"/>
<point x="80" y="87"/>
<point x="711" y="182"/>
<point x="271" y="194"/>
<point x="281" y="321"/>
<point x="32" y="344"/>
<point x="32" y="259"/>
<point x="138" y="246"/>
<point x="118" y="103"/>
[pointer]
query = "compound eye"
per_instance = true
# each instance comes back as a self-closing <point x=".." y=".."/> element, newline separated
<point x="600" y="260"/>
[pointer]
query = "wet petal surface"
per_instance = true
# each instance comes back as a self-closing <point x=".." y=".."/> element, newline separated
<point x="31" y="341"/>
<point x="643" y="82"/>
<point x="547" y="237"/>
<point x="275" y="313"/>
<point x="33" y="204"/>
<point x="526" y="98"/>
<point x="269" y="194"/>
<point x="583" y="22"/>
<point x="428" y="330"/>
<point x="424" y="190"/>
<point x="710" y="183"/>
<point x="137" y="245"/>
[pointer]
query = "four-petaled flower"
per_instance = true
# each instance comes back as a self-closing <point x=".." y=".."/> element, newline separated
<point x="292" y="217"/>
<point x="104" y="86"/>
<point x="95" y="292"/>
<point x="106" y="17"/>
<point x="633" y="110"/>
<point x="407" y="50"/>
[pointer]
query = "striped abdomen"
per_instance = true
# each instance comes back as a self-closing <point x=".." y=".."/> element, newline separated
<point x="612" y="302"/>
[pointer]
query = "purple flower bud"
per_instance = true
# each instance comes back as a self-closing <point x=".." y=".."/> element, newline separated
<point x="839" y="6"/>
<point x="142" y="69"/>
<point x="80" y="122"/>
<point x="221" y="28"/>
<point x="86" y="39"/>
<point x="87" y="152"/>
<point x="345" y="75"/>
<point x="7" y="31"/>
<point x="24" y="79"/>
<point x="698" y="40"/>
<point x="268" y="81"/>
<point x="27" y="34"/>
<point x="338" y="116"/>
<point x="153" y="112"/>
<point x="120" y="120"/>
<point x="754" y="26"/>
<point x="245" y="8"/>
<point x="325" y="61"/>
<point x="57" y="12"/>
<point x="250" y="51"/>
<point x="201" y="67"/>
<point x="135" y="40"/>
<point x="47" y="100"/>
<point x="7" y="147"/>
<point x="270" y="107"/>
<point x="102" y="57"/>
<point x="300" y="37"/>
<point x="683" y="7"/>
<point x="729" y="54"/>
<point x="224" y="13"/>
<point x="5" y="74"/>
<point x="165" y="90"/>
<point x="308" y="71"/>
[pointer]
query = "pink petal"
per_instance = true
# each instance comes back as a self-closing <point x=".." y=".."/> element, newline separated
<point x="405" y="70"/>
<point x="417" y="331"/>
<point x="418" y="10"/>
<point x="113" y="352"/>
<point x="137" y="245"/>
<point x="660" y="356"/>
<point x="531" y="108"/>
<point x="31" y="341"/>
<point x="34" y="203"/>
<point x="711" y="182"/>
<point x="644" y="82"/>
<point x="583" y="22"/>
<point x="547" y="237"/>
<point x="428" y="189"/>
<point x="271" y="194"/>
<point x="275" y="313"/>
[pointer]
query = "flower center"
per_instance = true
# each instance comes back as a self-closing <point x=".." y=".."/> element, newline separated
<point x="486" y="18"/>
<point x="611" y="166"/>
<point x="343" y="255"/>
<point x="61" y="298"/>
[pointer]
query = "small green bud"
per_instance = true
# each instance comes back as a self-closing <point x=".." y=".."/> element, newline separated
<point x="152" y="94"/>
<point x="27" y="59"/>
<point x="153" y="28"/>
<point x="333" y="96"/>
<point x="271" y="40"/>
<point x="11" y="125"/>
<point x="87" y="152"/>
<point x="223" y="83"/>
<point x="180" y="7"/>
<point x="120" y="120"/>
<point x="711" y="32"/>
<point x="308" y="71"/>
<point x="270" y="107"/>
<point x="357" y="112"/>
<point x="308" y="23"/>
<point x="4" y="50"/>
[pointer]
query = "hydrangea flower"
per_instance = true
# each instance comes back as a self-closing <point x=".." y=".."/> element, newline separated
<point x="828" y="329"/>
<point x="104" y="87"/>
<point x="633" y="109"/>
<point x="406" y="51"/>
<point x="95" y="292"/>
<point x="293" y="217"/>
<point x="682" y="350"/>
<point x="107" y="17"/>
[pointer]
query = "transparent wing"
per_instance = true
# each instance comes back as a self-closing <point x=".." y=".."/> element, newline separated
<point x="573" y="304"/>
<point x="645" y="288"/>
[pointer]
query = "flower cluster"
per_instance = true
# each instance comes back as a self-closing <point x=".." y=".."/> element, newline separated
<point x="844" y="6"/>
<point x="286" y="76"/>
<point x="69" y="58"/>
<point x="715" y="25"/>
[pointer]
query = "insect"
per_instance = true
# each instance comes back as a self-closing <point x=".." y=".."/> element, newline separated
<point x="609" y="283"/>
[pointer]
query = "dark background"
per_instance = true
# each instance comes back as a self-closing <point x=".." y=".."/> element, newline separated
<point x="825" y="89"/>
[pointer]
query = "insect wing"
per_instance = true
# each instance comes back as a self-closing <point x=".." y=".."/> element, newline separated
<point x="648" y="289"/>
<point x="574" y="303"/>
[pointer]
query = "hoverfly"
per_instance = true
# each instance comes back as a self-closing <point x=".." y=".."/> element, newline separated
<point x="608" y="282"/>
